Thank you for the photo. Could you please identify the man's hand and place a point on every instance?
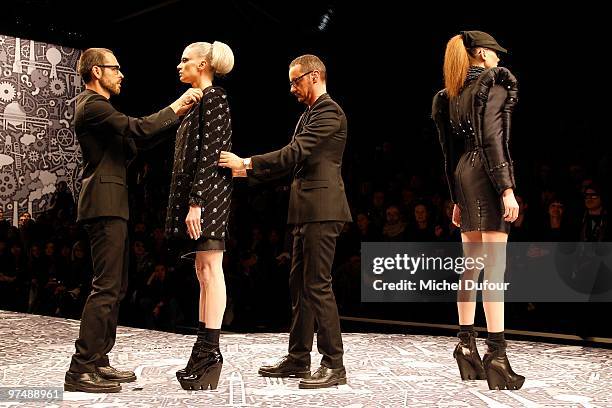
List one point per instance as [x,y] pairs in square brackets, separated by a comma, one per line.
[182,105]
[231,161]
[194,229]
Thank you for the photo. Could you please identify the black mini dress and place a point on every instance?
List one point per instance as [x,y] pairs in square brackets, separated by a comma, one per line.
[474,132]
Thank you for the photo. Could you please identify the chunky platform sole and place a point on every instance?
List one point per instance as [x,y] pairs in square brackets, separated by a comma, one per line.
[468,371]
[210,379]
[498,381]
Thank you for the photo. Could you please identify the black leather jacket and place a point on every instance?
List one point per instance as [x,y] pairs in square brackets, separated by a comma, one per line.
[481,115]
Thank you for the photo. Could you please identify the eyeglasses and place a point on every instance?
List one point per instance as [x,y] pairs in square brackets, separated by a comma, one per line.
[591,195]
[115,68]
[295,81]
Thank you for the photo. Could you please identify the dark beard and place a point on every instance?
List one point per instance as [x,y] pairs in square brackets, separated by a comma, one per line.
[107,86]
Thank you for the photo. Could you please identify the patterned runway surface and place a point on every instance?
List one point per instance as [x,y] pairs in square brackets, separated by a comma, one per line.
[384,370]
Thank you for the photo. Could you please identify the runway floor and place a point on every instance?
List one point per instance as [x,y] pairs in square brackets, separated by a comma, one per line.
[384,370]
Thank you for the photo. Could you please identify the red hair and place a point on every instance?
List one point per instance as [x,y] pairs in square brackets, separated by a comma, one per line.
[456,65]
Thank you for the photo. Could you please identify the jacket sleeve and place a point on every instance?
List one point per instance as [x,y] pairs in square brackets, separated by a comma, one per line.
[266,176]
[500,93]
[440,115]
[101,114]
[495,141]
[215,135]
[324,122]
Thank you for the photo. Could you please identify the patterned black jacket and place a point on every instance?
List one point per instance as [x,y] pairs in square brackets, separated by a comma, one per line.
[196,177]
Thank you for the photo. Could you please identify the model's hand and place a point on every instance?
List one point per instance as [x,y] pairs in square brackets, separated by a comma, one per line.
[456,216]
[511,207]
[193,223]
[231,161]
[186,101]
[239,173]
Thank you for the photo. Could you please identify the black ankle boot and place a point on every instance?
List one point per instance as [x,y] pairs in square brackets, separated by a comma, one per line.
[206,367]
[185,371]
[468,359]
[497,367]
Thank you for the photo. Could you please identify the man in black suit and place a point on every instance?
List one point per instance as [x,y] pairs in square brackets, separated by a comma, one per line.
[108,141]
[318,210]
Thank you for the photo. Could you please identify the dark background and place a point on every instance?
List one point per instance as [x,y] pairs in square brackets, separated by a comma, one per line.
[384,64]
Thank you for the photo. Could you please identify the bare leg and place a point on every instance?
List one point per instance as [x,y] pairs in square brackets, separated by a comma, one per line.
[204,367]
[202,306]
[497,367]
[466,300]
[466,352]
[209,267]
[495,268]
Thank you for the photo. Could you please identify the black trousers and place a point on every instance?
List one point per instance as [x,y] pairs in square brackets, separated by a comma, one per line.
[108,238]
[312,298]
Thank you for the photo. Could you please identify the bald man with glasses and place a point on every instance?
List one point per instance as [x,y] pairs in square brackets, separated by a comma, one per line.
[318,209]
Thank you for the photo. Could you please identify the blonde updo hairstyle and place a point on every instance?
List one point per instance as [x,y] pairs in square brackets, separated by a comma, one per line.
[219,55]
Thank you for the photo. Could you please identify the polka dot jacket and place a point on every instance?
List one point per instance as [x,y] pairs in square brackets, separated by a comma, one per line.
[196,178]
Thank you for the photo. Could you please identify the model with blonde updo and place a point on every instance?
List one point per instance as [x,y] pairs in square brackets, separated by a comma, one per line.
[199,202]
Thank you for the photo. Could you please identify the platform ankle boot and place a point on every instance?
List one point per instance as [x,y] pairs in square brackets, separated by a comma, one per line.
[500,375]
[468,360]
[185,371]
[206,365]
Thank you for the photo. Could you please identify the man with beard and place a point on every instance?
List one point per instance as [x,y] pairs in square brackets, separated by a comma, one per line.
[108,141]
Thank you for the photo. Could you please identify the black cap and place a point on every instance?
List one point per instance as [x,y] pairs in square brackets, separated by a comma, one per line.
[473,39]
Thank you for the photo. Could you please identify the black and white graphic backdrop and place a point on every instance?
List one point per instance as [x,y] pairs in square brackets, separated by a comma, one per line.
[38,148]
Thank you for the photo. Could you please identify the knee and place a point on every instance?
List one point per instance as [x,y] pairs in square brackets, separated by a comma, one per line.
[208,273]
[471,273]
[495,263]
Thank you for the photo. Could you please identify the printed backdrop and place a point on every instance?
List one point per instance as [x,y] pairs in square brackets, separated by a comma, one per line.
[38,149]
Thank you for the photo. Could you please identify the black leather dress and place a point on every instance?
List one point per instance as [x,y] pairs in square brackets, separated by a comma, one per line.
[474,132]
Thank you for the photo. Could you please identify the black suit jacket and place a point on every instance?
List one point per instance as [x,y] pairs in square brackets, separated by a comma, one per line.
[315,156]
[108,141]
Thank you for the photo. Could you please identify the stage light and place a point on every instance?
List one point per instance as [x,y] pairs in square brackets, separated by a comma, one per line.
[325,19]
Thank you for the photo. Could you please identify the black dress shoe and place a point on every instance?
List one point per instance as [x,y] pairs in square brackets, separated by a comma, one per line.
[500,375]
[286,367]
[205,370]
[325,377]
[89,382]
[112,374]
[468,359]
